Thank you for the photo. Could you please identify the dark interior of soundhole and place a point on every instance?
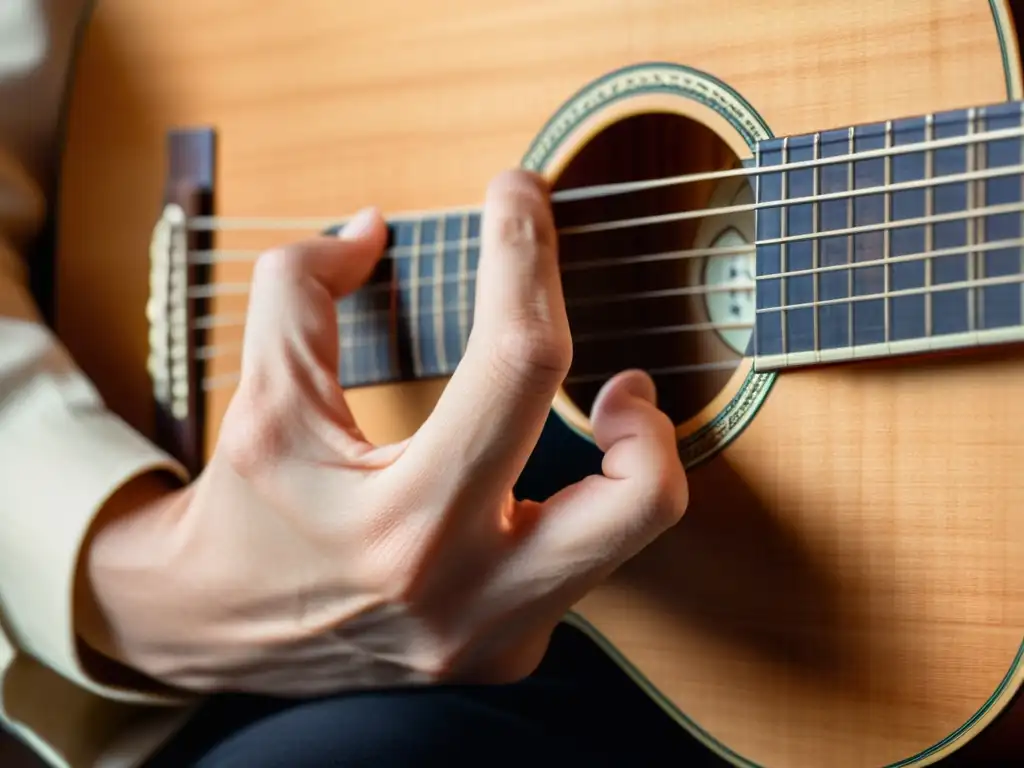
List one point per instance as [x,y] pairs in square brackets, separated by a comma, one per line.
[615,304]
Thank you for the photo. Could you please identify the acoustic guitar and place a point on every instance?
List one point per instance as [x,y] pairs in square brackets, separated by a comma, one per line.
[805,219]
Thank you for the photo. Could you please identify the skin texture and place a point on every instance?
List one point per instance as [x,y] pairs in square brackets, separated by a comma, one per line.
[305,560]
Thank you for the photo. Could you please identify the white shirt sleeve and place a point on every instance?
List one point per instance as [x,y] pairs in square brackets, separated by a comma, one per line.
[62,453]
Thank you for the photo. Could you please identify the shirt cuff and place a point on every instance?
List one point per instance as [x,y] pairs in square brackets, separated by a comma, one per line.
[60,461]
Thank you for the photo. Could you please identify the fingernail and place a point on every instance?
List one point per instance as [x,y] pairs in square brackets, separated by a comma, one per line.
[359,224]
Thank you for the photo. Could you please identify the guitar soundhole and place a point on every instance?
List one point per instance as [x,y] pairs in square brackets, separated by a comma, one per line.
[638,296]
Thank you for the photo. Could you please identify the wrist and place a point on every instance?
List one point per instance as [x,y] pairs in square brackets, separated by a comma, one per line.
[120,560]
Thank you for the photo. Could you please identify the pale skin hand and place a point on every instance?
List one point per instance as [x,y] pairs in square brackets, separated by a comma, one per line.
[305,560]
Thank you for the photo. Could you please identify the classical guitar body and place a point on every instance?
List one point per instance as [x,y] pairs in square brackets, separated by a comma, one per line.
[847,587]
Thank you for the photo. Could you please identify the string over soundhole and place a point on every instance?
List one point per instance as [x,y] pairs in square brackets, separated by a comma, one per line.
[654,279]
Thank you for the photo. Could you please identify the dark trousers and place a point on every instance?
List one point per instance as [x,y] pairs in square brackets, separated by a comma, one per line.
[577,709]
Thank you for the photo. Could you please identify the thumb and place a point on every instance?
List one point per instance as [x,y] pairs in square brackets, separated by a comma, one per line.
[587,530]
[630,429]
[643,489]
[576,538]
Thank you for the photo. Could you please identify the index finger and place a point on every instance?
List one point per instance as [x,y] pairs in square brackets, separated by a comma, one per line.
[490,415]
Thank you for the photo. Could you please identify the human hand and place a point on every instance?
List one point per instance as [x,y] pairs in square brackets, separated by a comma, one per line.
[305,560]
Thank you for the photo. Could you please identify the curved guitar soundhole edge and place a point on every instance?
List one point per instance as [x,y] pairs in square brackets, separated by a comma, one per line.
[701,98]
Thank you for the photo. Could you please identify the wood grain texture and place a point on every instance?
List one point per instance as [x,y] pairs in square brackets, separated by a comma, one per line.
[848,585]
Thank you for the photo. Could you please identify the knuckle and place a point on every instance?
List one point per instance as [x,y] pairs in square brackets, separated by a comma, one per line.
[670,495]
[532,355]
[665,481]
[664,431]
[520,205]
[274,266]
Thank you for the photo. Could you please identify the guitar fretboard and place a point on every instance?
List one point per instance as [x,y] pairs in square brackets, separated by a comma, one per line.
[934,261]
[412,320]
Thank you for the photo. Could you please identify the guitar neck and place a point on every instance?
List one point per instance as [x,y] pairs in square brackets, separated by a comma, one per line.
[913,244]
[877,240]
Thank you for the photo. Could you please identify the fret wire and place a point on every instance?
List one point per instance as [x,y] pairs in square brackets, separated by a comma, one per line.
[393,310]
[439,319]
[380,351]
[971,232]
[463,285]
[346,309]
[414,298]
[368,353]
[364,360]
[376,366]
[757,199]
[1020,146]
[849,238]
[358,354]
[886,233]
[358,364]
[981,160]
[929,228]
[783,219]
[816,243]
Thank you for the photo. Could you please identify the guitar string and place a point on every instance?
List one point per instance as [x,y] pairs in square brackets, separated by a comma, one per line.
[930,290]
[212,290]
[222,256]
[228,380]
[358,316]
[215,290]
[586,193]
[361,339]
[222,223]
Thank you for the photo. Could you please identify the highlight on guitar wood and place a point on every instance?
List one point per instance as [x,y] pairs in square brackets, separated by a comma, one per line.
[847,587]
